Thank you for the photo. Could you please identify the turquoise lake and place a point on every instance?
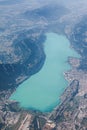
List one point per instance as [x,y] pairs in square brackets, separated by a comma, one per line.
[42,90]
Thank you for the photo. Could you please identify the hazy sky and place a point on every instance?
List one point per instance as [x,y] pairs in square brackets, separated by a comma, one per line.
[11,12]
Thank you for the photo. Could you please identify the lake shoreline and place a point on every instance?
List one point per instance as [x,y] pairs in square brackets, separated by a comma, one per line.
[60,72]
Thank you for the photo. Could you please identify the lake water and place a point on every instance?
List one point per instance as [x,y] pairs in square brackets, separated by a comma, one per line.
[42,91]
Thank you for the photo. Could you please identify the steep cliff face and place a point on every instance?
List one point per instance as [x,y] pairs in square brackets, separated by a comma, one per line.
[26,59]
